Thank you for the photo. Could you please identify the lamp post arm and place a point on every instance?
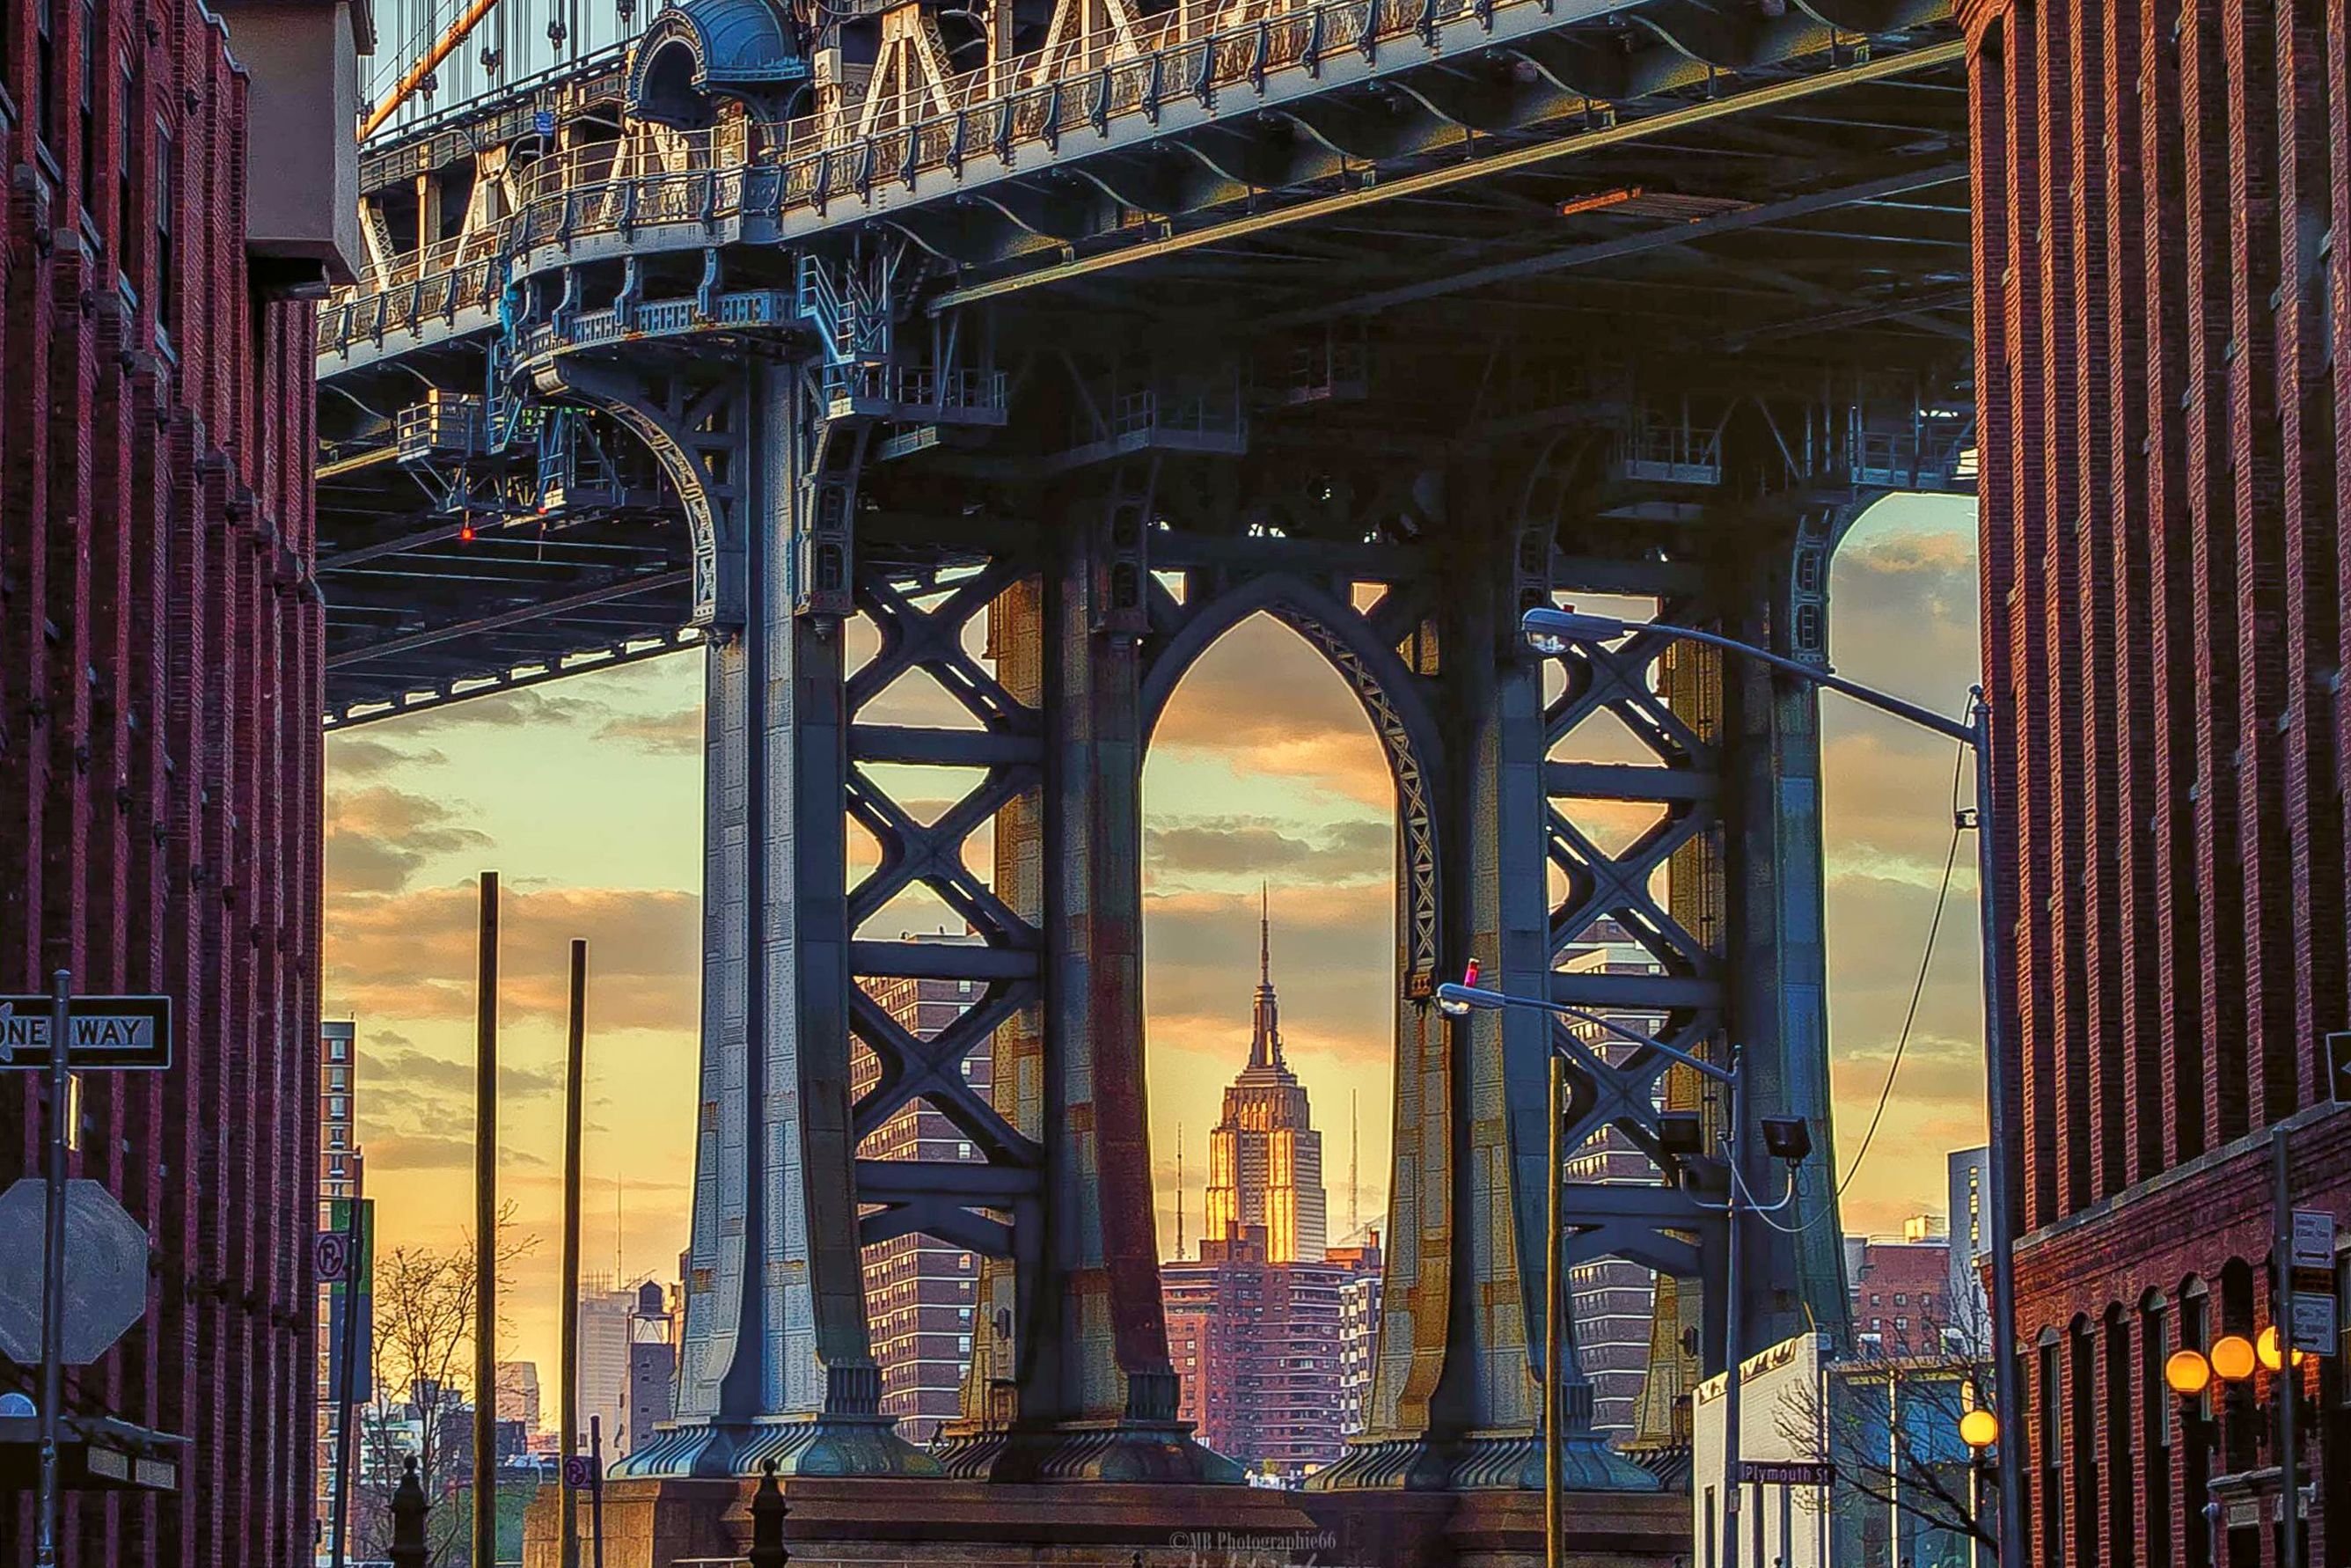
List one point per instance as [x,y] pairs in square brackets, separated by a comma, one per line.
[1480,998]
[1927,718]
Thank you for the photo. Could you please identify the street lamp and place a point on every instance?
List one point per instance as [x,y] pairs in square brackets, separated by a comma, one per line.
[1786,1137]
[2266,1351]
[1980,1430]
[1555,631]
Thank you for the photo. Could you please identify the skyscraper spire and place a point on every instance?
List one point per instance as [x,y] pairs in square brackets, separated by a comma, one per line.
[1265,934]
[1265,1036]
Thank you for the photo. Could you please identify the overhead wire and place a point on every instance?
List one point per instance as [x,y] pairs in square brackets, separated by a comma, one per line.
[1909,1018]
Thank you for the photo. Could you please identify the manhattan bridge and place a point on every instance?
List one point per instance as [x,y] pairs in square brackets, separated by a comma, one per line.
[1051,339]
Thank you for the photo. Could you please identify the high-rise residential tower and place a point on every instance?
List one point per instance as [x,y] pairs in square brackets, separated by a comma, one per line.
[920,1292]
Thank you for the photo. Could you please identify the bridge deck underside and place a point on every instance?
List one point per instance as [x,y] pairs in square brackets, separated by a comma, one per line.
[1451,303]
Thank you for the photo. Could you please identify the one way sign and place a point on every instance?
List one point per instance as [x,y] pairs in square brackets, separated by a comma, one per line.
[2338,1066]
[103,1033]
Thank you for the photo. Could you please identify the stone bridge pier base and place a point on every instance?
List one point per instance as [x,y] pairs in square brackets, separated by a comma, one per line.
[978,1524]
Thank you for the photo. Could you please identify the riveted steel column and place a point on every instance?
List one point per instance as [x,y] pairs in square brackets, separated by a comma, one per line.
[777,1366]
[1087,1392]
[1777,947]
[1456,1401]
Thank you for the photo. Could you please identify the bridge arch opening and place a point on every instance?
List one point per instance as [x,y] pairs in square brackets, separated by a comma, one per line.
[1272,973]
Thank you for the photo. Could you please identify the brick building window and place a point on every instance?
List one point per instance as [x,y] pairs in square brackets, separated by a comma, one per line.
[2052,1450]
[89,172]
[45,68]
[126,195]
[165,257]
[2154,1434]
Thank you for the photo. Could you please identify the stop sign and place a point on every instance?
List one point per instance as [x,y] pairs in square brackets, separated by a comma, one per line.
[105,1272]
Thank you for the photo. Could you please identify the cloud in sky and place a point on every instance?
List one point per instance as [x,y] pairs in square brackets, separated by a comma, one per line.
[411,955]
[1263,702]
[588,796]
[380,836]
[1179,849]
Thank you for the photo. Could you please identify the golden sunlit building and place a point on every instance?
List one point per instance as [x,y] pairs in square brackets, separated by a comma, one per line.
[1265,1158]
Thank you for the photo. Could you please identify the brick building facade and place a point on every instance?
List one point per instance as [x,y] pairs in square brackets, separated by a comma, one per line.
[160,695]
[2162,227]
[1260,1351]
[1901,1296]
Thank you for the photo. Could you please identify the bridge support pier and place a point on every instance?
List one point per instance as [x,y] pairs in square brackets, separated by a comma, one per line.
[776,1364]
[1081,1388]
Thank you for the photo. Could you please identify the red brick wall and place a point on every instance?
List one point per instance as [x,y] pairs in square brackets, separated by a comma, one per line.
[2162,336]
[159,744]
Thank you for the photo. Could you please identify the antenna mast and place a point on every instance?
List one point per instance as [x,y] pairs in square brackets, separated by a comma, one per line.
[1355,1152]
[1179,1192]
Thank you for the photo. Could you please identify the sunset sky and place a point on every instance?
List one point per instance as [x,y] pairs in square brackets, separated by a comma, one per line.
[585,795]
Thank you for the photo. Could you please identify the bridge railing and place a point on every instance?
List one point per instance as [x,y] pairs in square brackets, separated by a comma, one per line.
[738,169]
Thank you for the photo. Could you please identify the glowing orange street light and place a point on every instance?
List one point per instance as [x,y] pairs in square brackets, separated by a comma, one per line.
[2232,1358]
[2187,1373]
[1979,1429]
[2267,1348]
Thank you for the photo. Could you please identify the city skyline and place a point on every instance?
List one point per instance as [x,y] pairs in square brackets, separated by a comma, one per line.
[1263,768]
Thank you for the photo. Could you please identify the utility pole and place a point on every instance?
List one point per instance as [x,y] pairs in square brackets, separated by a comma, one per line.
[53,1268]
[485,1232]
[2289,1380]
[1554,1322]
[567,1401]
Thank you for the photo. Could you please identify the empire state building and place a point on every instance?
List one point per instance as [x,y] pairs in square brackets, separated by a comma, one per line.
[1265,1158]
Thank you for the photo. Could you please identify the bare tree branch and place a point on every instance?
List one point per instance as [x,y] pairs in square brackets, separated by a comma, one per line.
[1890,1456]
[424,1319]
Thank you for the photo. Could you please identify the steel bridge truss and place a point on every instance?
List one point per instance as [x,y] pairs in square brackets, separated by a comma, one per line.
[1384,321]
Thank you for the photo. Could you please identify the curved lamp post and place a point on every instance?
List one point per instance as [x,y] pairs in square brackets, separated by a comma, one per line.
[1555,631]
[1785,1137]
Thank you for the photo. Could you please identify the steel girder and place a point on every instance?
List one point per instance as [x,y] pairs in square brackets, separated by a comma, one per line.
[1182,145]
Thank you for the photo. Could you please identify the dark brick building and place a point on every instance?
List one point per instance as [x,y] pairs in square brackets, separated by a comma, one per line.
[160,670]
[1901,1305]
[2162,217]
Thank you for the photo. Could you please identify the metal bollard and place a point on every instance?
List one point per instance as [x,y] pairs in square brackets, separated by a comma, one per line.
[409,1549]
[768,1512]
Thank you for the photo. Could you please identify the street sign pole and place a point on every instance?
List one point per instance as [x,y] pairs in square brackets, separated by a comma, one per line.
[2289,1380]
[596,1487]
[53,1271]
[348,1335]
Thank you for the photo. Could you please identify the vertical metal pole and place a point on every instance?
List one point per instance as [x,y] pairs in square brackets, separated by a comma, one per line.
[53,1268]
[2289,1380]
[486,1233]
[1554,1328]
[347,1336]
[2009,1451]
[568,1402]
[1731,1328]
[596,1486]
